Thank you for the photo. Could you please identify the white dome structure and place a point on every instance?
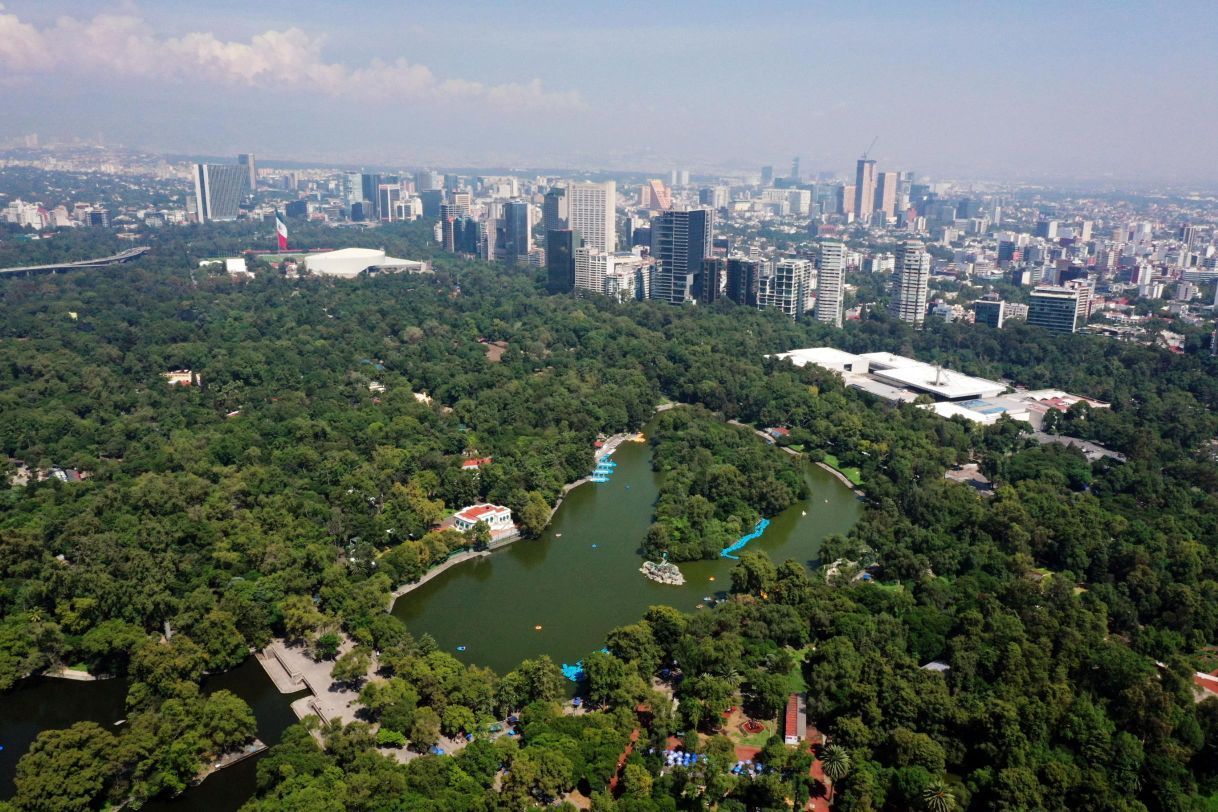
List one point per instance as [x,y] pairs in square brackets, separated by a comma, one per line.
[347,263]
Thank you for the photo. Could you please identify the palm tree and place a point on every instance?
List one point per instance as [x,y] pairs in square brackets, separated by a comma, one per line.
[938,798]
[836,763]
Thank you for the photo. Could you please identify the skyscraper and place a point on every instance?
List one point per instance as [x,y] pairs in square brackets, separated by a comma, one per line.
[591,210]
[561,245]
[712,284]
[795,168]
[218,190]
[655,195]
[886,193]
[767,175]
[680,240]
[864,188]
[786,286]
[912,278]
[388,196]
[830,282]
[742,280]
[369,185]
[246,159]
[517,228]
[554,209]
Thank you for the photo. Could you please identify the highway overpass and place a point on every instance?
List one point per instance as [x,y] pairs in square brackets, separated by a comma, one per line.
[125,256]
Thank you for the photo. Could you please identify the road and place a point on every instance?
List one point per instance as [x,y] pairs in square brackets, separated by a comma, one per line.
[125,256]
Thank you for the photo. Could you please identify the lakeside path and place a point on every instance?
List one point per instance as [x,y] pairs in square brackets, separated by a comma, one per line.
[453,561]
[842,478]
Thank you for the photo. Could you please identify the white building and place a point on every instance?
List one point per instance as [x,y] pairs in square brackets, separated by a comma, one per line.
[830,282]
[787,285]
[496,517]
[347,263]
[912,281]
[591,211]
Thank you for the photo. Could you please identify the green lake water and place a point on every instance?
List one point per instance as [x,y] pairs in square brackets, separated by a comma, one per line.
[581,578]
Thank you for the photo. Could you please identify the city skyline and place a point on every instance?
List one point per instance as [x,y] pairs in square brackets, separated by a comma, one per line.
[1079,92]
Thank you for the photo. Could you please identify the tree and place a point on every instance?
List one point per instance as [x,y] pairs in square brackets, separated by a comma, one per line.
[353,666]
[637,781]
[300,617]
[457,719]
[66,769]
[534,515]
[479,535]
[938,798]
[765,694]
[835,761]
[425,728]
[754,574]
[225,722]
[606,677]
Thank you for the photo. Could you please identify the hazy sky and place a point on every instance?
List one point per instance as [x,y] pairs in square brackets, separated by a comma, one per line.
[983,89]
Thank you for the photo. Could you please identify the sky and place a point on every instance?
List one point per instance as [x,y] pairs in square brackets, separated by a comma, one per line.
[982,90]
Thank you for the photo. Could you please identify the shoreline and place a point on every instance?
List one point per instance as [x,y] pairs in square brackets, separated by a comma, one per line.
[842,478]
[451,561]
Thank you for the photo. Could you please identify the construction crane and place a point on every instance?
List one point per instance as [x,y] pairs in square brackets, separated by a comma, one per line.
[867,151]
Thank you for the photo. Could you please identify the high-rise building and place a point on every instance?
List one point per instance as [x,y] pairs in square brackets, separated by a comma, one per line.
[218,189]
[1057,309]
[246,159]
[715,197]
[432,199]
[680,240]
[554,209]
[990,311]
[517,228]
[1047,229]
[767,175]
[886,193]
[864,188]
[912,279]
[742,280]
[786,285]
[846,195]
[428,181]
[464,201]
[370,184]
[561,245]
[388,195]
[795,168]
[591,210]
[655,195]
[713,282]
[448,218]
[830,282]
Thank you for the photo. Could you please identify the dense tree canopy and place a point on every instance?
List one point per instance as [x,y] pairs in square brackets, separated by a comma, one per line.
[284,495]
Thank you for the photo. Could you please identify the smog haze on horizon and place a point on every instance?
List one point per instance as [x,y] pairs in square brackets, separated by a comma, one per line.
[1028,91]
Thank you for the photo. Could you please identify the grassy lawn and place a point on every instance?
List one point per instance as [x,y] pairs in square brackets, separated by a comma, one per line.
[795,677]
[853,474]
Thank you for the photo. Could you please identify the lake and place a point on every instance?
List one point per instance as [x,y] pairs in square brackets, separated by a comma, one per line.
[581,578]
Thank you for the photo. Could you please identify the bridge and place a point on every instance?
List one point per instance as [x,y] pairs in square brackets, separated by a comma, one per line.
[125,256]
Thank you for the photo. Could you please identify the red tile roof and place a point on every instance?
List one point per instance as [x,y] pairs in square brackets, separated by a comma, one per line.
[791,727]
[478,512]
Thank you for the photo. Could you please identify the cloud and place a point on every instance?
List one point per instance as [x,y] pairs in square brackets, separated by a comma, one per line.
[124,45]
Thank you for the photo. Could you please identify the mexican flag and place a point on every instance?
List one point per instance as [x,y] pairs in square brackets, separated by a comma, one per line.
[281,231]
